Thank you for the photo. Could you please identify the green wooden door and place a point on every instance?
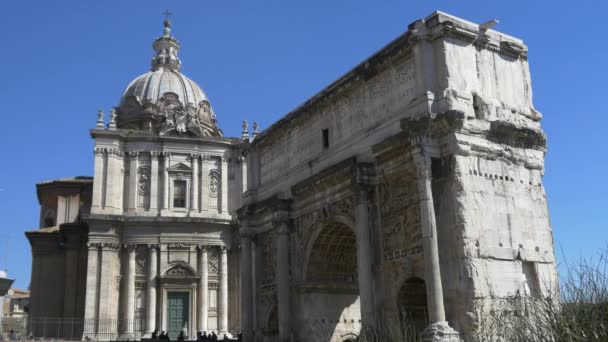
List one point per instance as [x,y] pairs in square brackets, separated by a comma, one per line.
[177,312]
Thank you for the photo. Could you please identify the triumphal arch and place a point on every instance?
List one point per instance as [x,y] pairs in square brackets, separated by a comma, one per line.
[406,194]
[409,190]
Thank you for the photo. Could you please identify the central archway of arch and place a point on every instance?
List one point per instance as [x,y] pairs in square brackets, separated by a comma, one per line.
[331,299]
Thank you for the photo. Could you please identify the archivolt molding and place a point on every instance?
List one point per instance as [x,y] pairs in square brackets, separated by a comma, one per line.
[309,226]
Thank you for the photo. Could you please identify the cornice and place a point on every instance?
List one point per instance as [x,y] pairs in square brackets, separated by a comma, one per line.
[127,135]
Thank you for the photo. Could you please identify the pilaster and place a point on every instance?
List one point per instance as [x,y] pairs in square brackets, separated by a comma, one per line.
[154,156]
[194,193]
[224,186]
[205,183]
[98,179]
[133,164]
[166,164]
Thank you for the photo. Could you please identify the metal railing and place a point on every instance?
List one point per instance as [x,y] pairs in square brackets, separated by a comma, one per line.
[36,328]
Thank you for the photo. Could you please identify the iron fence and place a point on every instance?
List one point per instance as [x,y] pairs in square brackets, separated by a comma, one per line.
[36,328]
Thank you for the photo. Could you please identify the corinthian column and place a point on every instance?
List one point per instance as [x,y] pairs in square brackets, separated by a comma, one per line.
[152,273]
[223,300]
[90,305]
[203,289]
[364,248]
[130,297]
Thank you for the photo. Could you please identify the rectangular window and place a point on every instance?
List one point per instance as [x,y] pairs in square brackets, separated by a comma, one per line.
[326,138]
[179,194]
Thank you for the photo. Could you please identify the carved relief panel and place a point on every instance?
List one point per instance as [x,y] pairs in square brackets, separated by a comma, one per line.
[213,257]
[267,252]
[141,260]
[400,211]
[215,182]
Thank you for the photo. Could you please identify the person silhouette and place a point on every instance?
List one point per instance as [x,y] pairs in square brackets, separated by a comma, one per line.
[181,336]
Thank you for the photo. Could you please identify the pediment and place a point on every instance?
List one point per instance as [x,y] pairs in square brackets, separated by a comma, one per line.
[179,167]
[179,270]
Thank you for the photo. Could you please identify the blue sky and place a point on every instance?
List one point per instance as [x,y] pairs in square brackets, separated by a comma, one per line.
[257,60]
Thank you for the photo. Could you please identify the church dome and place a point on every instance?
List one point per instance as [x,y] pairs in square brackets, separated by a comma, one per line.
[151,86]
[163,99]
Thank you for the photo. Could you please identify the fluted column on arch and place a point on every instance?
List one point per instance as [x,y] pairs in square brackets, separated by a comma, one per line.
[364,249]
[246,278]
[438,329]
[282,226]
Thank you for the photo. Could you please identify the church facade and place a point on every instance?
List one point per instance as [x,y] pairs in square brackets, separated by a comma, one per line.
[409,191]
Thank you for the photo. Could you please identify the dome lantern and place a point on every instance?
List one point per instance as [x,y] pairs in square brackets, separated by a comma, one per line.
[164,100]
[166,48]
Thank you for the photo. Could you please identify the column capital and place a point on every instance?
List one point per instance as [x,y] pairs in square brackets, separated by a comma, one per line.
[133,154]
[166,154]
[129,246]
[99,151]
[115,152]
[154,154]
[194,156]
[93,245]
[203,247]
[224,249]
[363,182]
[153,247]
[110,246]
[247,234]
[281,222]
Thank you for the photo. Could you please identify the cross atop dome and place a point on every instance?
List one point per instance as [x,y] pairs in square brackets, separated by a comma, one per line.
[167,23]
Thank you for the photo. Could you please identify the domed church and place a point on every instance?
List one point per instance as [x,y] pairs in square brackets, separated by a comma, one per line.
[403,198]
[161,223]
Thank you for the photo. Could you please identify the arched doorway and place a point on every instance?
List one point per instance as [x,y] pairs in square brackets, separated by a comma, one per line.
[332,293]
[412,305]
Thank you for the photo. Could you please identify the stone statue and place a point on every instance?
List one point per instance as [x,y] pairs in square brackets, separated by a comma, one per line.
[100,115]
